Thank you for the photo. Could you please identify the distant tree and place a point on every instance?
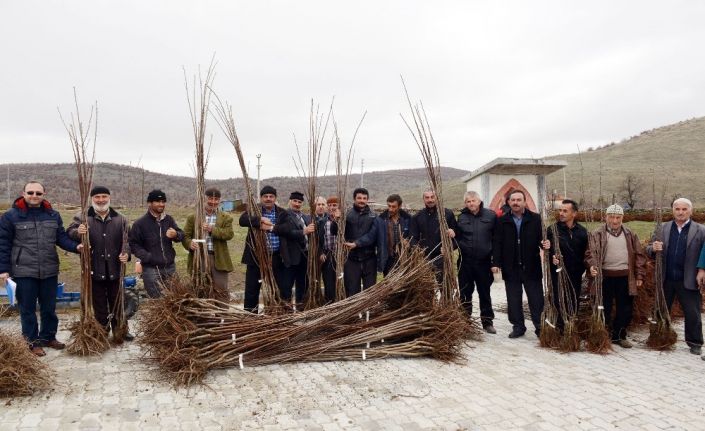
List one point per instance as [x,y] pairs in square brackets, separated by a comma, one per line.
[631,190]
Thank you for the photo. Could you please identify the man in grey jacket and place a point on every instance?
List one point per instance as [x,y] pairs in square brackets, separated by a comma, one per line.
[680,242]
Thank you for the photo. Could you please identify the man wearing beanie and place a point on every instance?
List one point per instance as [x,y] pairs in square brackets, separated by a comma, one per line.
[295,226]
[29,234]
[106,230]
[217,229]
[151,241]
[623,269]
[272,215]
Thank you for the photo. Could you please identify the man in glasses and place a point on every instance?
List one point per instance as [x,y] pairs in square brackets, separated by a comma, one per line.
[29,234]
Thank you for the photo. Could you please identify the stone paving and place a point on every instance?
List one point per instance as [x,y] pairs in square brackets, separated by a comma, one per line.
[504,384]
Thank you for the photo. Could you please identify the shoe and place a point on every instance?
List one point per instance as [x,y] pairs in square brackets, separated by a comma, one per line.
[55,344]
[516,334]
[128,337]
[537,331]
[38,351]
[490,329]
[696,350]
[625,344]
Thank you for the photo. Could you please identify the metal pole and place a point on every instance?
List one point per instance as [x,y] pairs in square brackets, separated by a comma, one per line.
[362,172]
[259,165]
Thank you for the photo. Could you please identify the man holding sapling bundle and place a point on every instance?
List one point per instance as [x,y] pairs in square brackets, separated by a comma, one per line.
[360,271]
[327,216]
[106,229]
[272,215]
[29,234]
[217,229]
[680,242]
[424,230]
[151,241]
[516,250]
[623,270]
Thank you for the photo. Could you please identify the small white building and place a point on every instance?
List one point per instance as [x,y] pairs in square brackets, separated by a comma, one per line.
[495,179]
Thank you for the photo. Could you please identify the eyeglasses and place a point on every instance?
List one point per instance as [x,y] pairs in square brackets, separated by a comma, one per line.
[33,193]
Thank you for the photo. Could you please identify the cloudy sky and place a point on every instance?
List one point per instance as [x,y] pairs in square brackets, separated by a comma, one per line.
[498,79]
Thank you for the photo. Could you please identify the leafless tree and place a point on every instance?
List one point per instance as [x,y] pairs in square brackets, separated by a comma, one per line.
[631,190]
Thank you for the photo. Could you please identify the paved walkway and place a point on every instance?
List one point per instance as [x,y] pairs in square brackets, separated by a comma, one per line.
[505,384]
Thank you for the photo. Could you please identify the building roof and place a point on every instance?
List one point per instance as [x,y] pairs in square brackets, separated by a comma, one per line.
[509,166]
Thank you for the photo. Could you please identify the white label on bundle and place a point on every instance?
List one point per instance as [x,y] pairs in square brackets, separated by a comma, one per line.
[367,318]
[222,321]
[559,269]
[360,315]
[549,323]
[364,355]
[201,241]
[340,277]
[600,307]
[259,281]
[233,338]
[241,364]
[368,344]
[382,340]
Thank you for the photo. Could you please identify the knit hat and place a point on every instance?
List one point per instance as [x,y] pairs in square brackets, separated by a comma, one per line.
[156,195]
[614,209]
[268,190]
[99,190]
[333,200]
[296,195]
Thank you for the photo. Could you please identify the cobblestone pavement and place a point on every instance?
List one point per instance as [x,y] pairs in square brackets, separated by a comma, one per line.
[505,384]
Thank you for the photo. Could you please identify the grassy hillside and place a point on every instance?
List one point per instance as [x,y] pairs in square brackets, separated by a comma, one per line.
[674,155]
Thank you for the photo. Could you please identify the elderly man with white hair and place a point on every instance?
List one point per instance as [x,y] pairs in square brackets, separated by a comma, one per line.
[680,242]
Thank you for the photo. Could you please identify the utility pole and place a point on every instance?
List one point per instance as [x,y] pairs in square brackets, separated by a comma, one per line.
[259,165]
[9,197]
[362,172]
[565,186]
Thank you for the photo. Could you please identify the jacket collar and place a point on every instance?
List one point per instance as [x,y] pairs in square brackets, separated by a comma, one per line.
[402,214]
[479,212]
[21,205]
[111,213]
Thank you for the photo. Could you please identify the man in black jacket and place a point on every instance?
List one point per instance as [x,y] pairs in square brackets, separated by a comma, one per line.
[327,215]
[516,250]
[151,240]
[573,242]
[474,235]
[106,230]
[293,231]
[360,237]
[392,226]
[270,223]
[425,231]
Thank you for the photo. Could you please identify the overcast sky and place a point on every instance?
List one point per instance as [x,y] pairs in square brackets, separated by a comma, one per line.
[497,79]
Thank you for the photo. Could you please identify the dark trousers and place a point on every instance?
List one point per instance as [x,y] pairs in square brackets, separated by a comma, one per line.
[617,289]
[253,283]
[29,291]
[359,275]
[155,277]
[690,301]
[391,262]
[329,277]
[515,303]
[105,294]
[472,273]
[295,275]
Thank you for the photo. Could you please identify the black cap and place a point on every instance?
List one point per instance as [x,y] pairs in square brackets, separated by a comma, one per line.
[268,190]
[156,195]
[99,190]
[297,195]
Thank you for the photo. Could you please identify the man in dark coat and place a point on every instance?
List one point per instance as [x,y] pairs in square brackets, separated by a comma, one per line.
[270,223]
[151,240]
[424,230]
[392,226]
[360,237]
[517,251]
[327,216]
[573,242]
[29,234]
[474,233]
[106,232]
[293,232]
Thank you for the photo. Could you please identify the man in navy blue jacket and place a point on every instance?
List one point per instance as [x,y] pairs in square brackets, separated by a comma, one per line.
[29,234]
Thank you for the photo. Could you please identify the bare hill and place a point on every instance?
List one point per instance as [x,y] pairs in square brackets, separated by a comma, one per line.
[674,155]
[129,185]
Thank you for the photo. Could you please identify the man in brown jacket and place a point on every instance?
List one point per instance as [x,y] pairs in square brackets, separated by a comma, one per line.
[623,269]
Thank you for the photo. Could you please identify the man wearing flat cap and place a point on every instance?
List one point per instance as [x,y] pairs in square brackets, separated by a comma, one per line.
[623,266]
[106,230]
[270,223]
[327,231]
[151,241]
[295,227]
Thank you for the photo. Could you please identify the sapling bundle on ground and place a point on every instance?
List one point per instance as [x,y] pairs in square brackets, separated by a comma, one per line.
[22,373]
[569,337]
[309,172]
[598,338]
[662,336]
[258,240]
[88,337]
[397,317]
